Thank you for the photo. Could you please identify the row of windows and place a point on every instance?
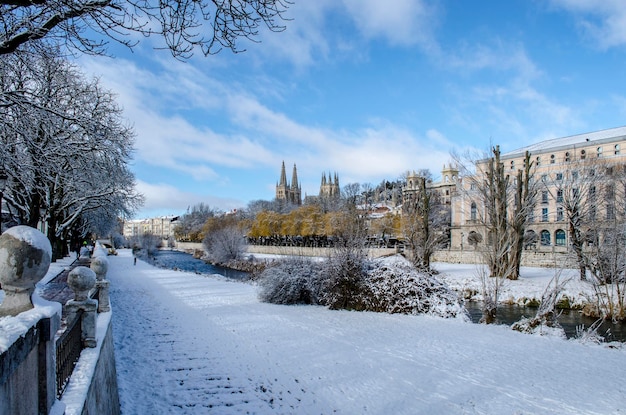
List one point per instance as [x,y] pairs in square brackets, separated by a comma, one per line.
[545,213]
[569,155]
[545,238]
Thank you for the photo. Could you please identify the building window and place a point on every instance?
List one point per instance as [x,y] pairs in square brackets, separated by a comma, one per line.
[559,213]
[583,154]
[473,186]
[544,196]
[559,176]
[544,177]
[512,165]
[473,211]
[531,216]
[616,149]
[545,238]
[538,161]
[567,157]
[610,192]
[559,237]
[551,158]
[574,175]
[544,214]
[559,196]
[599,151]
[610,212]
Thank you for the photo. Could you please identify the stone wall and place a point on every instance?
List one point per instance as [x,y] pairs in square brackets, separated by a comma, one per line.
[548,257]
[27,371]
[530,258]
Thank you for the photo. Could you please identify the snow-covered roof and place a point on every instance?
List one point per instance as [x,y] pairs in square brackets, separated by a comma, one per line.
[611,134]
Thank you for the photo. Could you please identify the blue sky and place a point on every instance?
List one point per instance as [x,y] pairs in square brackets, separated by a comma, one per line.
[367,89]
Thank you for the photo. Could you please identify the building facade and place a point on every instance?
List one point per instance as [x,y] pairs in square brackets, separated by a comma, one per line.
[560,168]
[162,226]
[446,187]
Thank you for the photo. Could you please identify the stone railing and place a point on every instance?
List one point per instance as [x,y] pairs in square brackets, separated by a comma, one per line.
[30,339]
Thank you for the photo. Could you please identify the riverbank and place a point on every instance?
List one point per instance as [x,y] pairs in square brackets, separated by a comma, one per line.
[186,342]
[464,278]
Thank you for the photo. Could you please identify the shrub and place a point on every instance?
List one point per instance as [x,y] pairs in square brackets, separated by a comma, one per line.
[400,288]
[292,281]
[345,286]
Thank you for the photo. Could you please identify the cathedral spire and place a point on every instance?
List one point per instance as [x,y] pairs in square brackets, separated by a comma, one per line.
[294,178]
[283,176]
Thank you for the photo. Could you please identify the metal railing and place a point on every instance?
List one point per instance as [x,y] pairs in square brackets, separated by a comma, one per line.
[68,345]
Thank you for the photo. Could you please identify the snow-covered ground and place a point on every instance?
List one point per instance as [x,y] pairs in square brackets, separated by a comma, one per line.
[187,343]
[531,284]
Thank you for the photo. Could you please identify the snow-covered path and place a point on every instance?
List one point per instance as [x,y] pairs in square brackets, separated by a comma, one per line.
[192,344]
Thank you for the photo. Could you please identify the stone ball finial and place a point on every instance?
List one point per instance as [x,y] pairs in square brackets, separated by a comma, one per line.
[25,255]
[81,280]
[100,266]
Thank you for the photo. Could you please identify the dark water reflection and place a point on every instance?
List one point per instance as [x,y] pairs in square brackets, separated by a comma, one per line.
[568,319]
[186,262]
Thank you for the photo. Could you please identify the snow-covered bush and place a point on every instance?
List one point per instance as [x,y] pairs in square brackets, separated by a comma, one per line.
[545,322]
[396,287]
[345,286]
[293,281]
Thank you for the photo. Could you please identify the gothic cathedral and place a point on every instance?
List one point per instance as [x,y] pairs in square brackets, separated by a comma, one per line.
[290,192]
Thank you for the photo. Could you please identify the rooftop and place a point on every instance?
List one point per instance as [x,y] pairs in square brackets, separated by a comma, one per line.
[597,136]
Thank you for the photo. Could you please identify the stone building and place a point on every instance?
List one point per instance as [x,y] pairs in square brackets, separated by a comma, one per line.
[558,165]
[330,188]
[445,187]
[289,192]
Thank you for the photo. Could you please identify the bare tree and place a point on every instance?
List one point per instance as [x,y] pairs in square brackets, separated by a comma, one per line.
[507,204]
[190,224]
[184,26]
[523,205]
[224,238]
[425,223]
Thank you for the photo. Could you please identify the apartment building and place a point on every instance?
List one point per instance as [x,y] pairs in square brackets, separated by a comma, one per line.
[162,226]
[559,165]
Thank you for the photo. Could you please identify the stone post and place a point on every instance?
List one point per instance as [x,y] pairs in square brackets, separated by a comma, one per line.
[81,280]
[100,266]
[25,255]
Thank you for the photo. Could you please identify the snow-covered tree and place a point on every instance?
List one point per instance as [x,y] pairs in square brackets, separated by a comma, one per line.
[67,148]
[183,26]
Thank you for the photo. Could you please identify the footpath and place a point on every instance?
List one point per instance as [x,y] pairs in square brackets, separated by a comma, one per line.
[194,344]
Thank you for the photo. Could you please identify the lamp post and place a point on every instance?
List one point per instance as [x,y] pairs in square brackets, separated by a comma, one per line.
[3,183]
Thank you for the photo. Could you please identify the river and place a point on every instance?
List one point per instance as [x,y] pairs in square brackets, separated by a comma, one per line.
[507,314]
[186,262]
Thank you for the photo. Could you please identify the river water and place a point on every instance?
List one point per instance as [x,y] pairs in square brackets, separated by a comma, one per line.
[186,262]
[507,314]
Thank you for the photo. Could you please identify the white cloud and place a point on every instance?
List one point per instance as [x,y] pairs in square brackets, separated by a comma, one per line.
[499,56]
[400,22]
[602,20]
[165,199]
